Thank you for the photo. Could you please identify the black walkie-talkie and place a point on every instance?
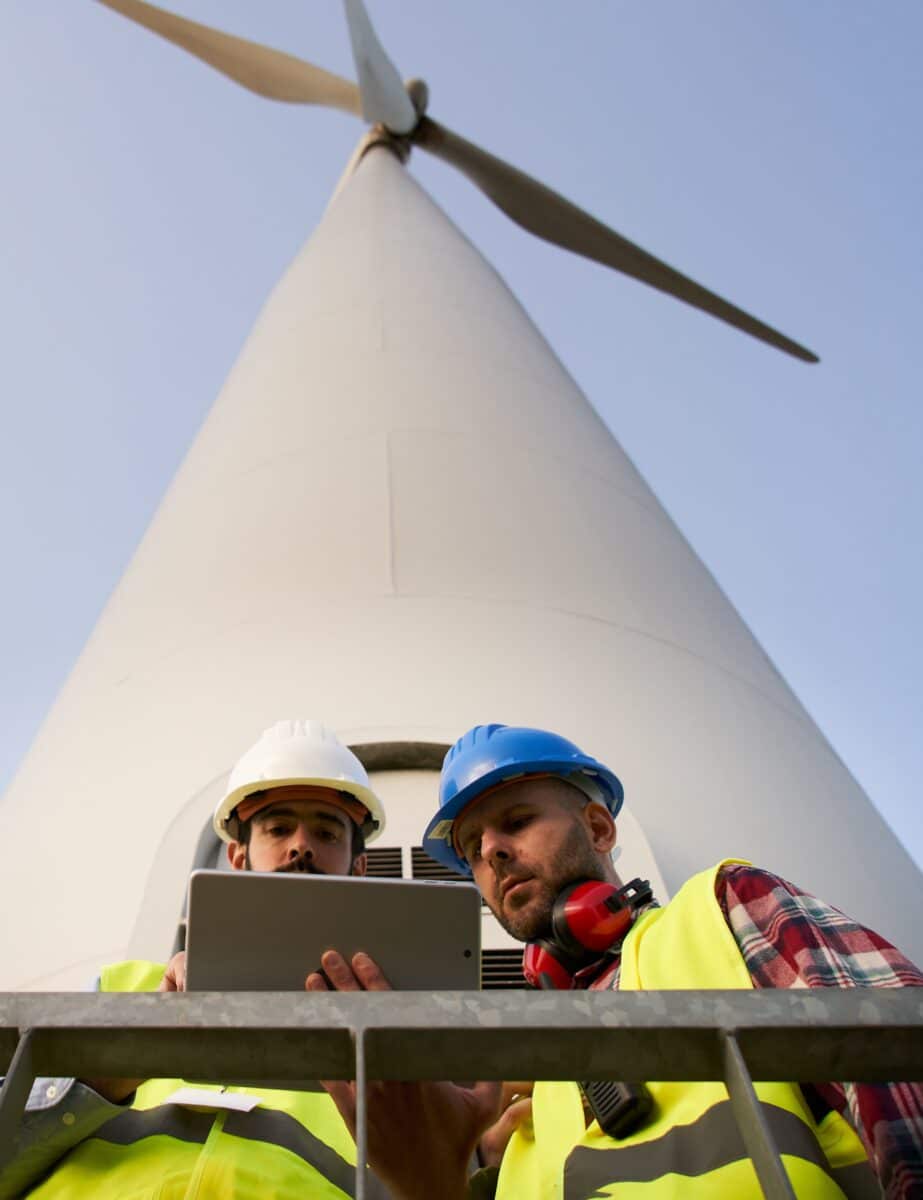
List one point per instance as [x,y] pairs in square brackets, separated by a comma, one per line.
[620,1108]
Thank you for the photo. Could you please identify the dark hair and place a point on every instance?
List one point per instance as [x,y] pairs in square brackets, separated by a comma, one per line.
[240,832]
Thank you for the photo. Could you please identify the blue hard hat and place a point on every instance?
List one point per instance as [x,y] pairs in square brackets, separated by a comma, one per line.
[488,755]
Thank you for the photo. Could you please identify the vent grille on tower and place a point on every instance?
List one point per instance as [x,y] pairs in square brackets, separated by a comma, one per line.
[384,862]
[502,969]
[424,867]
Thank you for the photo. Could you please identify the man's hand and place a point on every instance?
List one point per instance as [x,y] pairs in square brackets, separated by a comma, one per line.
[174,977]
[421,1134]
[363,974]
[515,1110]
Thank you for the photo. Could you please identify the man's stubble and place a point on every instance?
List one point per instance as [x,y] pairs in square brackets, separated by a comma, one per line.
[576,860]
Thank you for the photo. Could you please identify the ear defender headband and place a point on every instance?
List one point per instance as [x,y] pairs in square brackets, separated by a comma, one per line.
[588,922]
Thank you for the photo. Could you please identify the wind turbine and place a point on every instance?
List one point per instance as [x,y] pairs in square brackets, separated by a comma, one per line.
[441,583]
[398,117]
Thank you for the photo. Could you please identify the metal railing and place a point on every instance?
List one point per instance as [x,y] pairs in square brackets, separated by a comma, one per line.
[865,1035]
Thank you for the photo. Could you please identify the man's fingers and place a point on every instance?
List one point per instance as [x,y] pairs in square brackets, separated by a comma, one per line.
[369,974]
[315,982]
[360,974]
[339,972]
[343,1095]
[513,1090]
[494,1140]
[518,1112]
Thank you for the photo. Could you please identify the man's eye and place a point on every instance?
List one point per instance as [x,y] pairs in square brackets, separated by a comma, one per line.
[328,835]
[277,830]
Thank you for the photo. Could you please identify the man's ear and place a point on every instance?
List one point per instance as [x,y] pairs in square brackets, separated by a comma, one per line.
[601,826]
[360,864]
[237,856]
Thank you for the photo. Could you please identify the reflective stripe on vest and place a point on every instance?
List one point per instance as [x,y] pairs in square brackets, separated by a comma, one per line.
[712,1142]
[267,1126]
[691,1146]
[171,1120]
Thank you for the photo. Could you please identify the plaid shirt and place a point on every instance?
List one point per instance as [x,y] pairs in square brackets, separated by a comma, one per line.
[789,939]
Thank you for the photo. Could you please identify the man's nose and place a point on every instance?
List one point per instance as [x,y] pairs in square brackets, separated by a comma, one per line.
[495,847]
[299,844]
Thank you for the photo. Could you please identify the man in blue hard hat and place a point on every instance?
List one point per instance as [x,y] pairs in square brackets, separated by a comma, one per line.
[560,802]
[532,818]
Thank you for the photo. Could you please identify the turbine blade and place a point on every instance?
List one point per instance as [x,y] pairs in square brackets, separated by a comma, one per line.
[384,98]
[267,72]
[548,215]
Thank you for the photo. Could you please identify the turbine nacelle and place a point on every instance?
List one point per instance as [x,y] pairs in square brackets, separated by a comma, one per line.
[397,114]
[418,91]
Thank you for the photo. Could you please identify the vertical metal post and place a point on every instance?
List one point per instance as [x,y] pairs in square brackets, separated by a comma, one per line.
[752,1124]
[15,1092]
[362,1125]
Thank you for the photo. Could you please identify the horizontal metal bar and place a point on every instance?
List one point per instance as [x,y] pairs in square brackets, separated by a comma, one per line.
[802,1035]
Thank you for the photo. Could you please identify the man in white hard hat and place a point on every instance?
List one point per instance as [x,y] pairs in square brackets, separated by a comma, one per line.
[298,801]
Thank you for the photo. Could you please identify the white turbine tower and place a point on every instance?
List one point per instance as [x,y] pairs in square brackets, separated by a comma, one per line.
[402,516]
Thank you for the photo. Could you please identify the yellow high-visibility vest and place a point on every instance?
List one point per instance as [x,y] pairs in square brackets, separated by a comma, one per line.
[690,1148]
[293,1145]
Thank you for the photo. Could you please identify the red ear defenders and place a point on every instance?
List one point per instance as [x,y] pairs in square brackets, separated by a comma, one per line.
[588,922]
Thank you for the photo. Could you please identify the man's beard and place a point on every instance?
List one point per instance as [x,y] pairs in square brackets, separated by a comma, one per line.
[575,861]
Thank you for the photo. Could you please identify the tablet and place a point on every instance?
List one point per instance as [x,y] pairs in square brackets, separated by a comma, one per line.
[250,931]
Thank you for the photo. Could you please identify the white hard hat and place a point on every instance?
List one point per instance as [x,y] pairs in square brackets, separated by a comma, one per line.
[294,752]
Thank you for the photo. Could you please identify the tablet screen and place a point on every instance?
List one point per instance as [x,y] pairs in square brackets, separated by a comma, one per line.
[266,932]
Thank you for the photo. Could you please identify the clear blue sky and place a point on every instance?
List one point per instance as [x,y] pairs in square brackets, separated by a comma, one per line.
[770,151]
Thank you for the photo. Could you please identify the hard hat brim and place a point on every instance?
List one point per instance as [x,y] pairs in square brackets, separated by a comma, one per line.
[372,828]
